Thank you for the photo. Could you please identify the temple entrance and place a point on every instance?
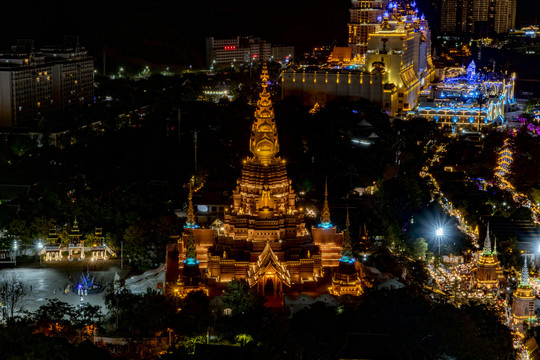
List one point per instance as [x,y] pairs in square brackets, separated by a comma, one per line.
[270,284]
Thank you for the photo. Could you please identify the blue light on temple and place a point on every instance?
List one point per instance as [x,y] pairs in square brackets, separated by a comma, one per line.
[347,259]
[191,261]
[191,226]
[386,14]
[325,225]
[413,4]
[471,119]
[379,18]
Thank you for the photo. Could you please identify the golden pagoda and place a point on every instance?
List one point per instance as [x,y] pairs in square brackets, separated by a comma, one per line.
[203,238]
[487,271]
[190,278]
[326,237]
[346,279]
[523,301]
[264,239]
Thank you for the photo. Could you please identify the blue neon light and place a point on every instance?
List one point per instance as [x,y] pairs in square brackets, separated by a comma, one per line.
[347,259]
[325,225]
[191,261]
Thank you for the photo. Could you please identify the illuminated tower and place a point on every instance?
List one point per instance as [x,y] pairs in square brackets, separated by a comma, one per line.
[203,238]
[523,300]
[190,218]
[264,237]
[346,279]
[326,237]
[363,20]
[325,214]
[190,277]
[488,271]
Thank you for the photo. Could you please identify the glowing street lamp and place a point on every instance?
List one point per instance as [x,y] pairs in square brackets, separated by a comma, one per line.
[39,246]
[439,233]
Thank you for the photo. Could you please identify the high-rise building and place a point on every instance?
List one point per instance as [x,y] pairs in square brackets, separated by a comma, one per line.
[33,82]
[364,14]
[479,17]
[244,50]
[397,67]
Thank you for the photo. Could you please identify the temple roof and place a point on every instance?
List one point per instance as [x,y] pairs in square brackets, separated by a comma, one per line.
[268,260]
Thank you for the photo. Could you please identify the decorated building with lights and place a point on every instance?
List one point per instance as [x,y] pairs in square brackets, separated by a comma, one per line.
[346,278]
[263,239]
[397,66]
[364,15]
[465,98]
[523,301]
[487,272]
[326,236]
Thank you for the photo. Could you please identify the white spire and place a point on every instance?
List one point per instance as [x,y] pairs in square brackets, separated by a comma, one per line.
[487,243]
[524,274]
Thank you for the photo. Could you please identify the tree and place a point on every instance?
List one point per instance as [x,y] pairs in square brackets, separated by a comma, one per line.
[41,226]
[12,292]
[240,298]
[21,230]
[420,247]
[134,244]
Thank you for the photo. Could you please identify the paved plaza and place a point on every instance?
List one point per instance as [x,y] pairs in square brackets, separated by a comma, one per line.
[49,280]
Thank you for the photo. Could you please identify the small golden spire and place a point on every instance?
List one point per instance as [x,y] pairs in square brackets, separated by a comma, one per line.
[190,221]
[325,214]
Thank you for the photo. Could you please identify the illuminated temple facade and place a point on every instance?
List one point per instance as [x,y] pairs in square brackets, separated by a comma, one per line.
[397,66]
[488,272]
[346,279]
[465,98]
[264,239]
[523,301]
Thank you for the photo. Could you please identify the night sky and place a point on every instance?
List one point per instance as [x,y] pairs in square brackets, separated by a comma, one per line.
[170,32]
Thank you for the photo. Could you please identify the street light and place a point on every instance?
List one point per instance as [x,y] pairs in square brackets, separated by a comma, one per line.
[439,233]
[39,246]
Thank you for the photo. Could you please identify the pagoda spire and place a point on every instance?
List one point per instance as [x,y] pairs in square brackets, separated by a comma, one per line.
[190,219]
[494,246]
[346,252]
[487,243]
[190,247]
[524,274]
[325,214]
[264,138]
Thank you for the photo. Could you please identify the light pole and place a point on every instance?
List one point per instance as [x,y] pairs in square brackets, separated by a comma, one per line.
[439,233]
[39,246]
[15,247]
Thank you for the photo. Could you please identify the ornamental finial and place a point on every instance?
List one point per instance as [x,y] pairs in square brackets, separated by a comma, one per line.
[325,214]
[487,243]
[190,220]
